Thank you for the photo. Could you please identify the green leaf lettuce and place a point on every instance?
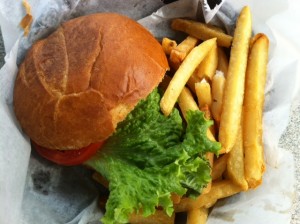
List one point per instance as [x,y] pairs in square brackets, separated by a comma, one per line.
[151,156]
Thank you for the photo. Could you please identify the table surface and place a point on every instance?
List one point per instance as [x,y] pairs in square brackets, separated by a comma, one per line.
[290,140]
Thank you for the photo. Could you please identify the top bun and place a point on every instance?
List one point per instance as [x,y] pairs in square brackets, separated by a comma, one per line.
[75,86]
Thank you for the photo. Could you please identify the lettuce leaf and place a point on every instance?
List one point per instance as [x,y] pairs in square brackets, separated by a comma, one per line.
[151,156]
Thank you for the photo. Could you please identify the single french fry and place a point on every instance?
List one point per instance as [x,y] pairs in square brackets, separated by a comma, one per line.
[186,101]
[178,54]
[203,92]
[235,163]
[253,109]
[219,167]
[234,86]
[197,216]
[208,66]
[168,45]
[222,61]
[217,90]
[26,22]
[159,217]
[183,74]
[219,189]
[201,31]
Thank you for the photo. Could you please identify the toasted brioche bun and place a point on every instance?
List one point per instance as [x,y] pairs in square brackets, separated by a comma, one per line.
[75,86]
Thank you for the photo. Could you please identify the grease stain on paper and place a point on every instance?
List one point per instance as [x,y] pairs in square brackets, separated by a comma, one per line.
[226,216]
[41,181]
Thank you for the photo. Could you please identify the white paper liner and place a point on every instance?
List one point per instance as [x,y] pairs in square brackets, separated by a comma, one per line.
[53,201]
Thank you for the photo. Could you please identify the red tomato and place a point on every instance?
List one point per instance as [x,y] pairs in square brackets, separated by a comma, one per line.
[68,157]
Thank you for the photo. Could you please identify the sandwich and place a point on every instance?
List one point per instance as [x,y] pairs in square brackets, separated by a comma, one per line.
[89,94]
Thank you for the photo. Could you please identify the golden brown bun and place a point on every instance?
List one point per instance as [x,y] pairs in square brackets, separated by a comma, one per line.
[75,86]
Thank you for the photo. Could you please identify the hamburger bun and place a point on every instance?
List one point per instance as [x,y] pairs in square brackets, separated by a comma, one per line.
[76,85]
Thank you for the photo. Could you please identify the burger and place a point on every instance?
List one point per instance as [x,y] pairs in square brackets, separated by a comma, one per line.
[89,94]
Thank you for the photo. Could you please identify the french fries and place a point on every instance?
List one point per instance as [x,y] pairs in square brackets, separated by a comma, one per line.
[26,22]
[235,163]
[219,189]
[178,54]
[159,217]
[186,101]
[168,45]
[182,75]
[197,216]
[192,81]
[232,94]
[202,31]
[235,79]
[203,92]
[217,88]
[253,109]
[208,66]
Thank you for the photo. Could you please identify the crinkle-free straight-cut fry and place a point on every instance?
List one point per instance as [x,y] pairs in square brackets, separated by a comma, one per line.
[203,92]
[168,45]
[159,217]
[178,54]
[235,162]
[234,86]
[186,101]
[253,110]
[182,75]
[208,66]
[197,216]
[202,31]
[217,90]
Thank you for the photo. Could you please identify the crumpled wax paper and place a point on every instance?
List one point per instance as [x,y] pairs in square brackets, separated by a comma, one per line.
[36,191]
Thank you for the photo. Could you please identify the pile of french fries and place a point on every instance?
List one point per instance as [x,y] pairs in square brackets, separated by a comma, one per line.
[224,77]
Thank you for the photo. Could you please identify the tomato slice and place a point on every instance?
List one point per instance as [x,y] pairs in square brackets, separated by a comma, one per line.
[68,157]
